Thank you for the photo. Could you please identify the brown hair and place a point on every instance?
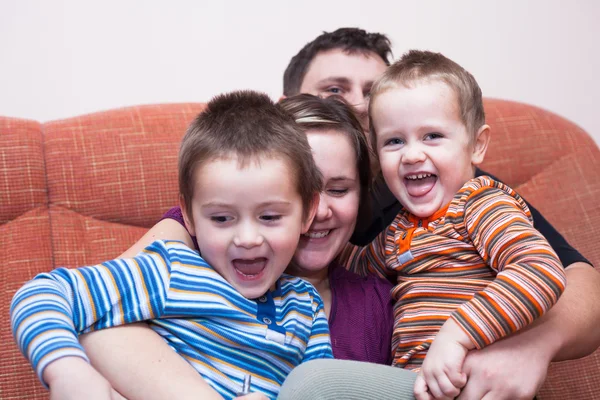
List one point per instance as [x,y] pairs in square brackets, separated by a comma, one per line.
[417,65]
[350,40]
[246,124]
[315,113]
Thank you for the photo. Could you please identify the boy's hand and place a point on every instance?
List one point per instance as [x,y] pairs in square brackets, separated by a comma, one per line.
[441,376]
[74,378]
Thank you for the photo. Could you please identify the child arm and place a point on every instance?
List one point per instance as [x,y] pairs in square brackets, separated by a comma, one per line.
[530,280]
[530,277]
[49,312]
[319,342]
[366,260]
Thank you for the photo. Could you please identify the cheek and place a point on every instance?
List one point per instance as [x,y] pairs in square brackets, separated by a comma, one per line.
[345,209]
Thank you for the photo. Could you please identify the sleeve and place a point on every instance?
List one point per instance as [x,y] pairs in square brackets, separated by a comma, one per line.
[367,260]
[50,311]
[176,215]
[566,253]
[319,342]
[530,277]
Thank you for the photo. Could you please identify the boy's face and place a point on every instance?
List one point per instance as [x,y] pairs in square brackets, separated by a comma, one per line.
[247,220]
[348,75]
[424,148]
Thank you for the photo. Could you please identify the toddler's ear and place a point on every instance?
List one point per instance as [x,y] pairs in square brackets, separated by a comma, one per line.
[312,211]
[482,139]
[188,220]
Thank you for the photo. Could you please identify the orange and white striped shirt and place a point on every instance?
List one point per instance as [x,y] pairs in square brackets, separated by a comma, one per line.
[478,260]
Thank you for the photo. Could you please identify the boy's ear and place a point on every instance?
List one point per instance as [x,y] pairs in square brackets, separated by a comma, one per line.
[482,139]
[312,211]
[186,218]
[283,96]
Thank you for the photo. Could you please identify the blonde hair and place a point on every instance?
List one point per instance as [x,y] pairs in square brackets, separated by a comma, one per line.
[417,65]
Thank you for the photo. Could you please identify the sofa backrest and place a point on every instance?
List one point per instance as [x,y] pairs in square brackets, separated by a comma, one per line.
[81,190]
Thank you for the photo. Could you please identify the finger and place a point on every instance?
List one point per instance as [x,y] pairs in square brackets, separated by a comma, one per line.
[457,378]
[446,386]
[420,389]
[434,388]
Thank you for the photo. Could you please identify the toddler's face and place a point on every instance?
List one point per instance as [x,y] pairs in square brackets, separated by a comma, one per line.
[424,148]
[247,220]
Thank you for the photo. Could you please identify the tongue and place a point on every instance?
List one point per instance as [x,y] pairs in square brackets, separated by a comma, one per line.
[419,187]
[250,267]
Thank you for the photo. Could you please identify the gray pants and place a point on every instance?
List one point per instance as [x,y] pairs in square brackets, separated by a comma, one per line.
[342,379]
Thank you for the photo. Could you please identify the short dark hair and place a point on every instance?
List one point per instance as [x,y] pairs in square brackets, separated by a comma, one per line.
[247,124]
[334,113]
[350,40]
[420,65]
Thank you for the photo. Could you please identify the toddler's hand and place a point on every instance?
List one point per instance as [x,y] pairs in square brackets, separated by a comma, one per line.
[441,376]
[73,378]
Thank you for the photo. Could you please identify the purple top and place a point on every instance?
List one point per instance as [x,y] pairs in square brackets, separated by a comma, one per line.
[361,317]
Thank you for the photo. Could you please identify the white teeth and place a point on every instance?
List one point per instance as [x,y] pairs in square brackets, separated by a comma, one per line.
[317,235]
[418,176]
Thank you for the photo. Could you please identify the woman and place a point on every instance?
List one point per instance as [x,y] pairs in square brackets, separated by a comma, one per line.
[359,308]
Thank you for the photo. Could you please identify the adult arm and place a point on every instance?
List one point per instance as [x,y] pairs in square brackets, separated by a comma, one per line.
[143,366]
[516,367]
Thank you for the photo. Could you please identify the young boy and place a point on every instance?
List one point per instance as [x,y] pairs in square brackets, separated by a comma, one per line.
[469,266]
[248,183]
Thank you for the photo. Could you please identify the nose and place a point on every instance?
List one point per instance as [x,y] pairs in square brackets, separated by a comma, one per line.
[248,235]
[412,154]
[323,211]
[358,100]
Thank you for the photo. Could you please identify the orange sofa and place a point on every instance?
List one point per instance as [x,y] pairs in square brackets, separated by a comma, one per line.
[81,190]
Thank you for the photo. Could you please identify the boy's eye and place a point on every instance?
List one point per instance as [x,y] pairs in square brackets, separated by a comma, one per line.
[393,142]
[270,218]
[220,219]
[433,135]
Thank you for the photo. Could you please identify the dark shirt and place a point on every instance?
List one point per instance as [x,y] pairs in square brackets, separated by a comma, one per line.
[385,208]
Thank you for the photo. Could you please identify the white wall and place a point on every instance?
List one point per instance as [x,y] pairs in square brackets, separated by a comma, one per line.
[63,58]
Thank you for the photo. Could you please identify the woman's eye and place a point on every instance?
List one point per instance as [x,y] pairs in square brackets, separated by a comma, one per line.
[337,192]
[221,218]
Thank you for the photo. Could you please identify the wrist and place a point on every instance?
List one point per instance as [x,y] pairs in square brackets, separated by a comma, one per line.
[453,330]
[62,367]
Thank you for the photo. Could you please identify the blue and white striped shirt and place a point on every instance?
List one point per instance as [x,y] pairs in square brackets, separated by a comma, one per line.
[222,334]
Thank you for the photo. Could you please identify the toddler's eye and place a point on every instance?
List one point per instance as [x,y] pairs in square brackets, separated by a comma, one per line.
[433,135]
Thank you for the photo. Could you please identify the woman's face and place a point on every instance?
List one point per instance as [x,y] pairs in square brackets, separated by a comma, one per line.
[338,205]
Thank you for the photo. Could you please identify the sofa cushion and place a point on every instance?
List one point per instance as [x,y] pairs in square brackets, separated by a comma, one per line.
[117,166]
[22,174]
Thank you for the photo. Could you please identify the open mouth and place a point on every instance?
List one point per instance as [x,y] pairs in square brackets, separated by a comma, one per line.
[316,234]
[418,185]
[249,268]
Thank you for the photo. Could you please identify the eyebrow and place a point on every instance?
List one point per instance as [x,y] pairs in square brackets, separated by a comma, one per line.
[341,178]
[229,205]
[335,79]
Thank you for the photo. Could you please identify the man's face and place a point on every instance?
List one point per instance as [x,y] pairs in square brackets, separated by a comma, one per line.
[348,75]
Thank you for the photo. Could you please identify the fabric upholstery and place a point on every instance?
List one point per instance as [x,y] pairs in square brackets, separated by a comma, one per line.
[81,190]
